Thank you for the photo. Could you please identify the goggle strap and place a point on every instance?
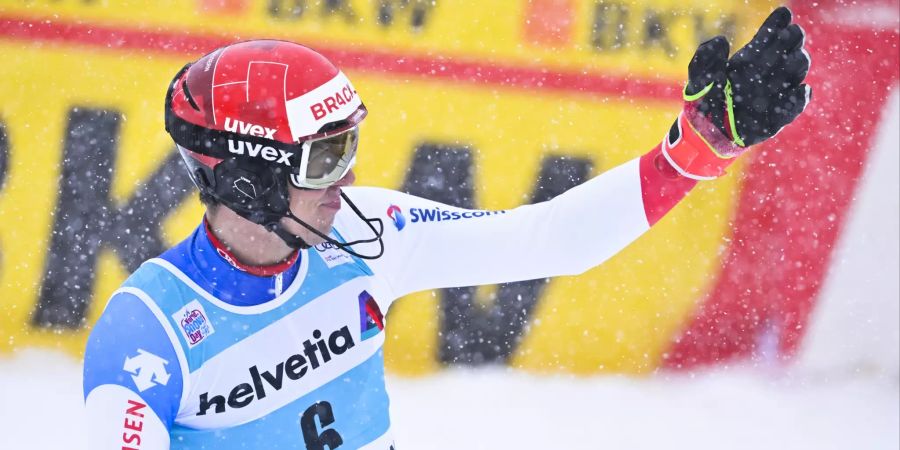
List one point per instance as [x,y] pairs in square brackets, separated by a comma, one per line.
[304,163]
[290,239]
[297,242]
[369,222]
[210,142]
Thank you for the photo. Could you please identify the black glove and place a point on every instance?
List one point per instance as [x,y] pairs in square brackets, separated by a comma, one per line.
[760,90]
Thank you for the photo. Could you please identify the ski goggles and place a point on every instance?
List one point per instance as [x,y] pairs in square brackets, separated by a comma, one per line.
[325,161]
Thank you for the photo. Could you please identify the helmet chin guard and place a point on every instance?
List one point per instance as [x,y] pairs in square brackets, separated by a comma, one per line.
[251,116]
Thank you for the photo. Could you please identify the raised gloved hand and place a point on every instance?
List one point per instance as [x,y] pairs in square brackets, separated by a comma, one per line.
[731,104]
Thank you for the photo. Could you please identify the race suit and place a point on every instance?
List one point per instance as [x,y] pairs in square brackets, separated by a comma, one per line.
[194,353]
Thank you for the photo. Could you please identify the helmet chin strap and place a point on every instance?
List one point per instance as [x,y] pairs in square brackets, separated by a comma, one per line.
[297,242]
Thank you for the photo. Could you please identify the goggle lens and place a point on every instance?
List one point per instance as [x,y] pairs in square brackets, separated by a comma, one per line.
[326,160]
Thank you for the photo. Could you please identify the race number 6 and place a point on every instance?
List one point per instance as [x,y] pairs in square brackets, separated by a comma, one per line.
[328,437]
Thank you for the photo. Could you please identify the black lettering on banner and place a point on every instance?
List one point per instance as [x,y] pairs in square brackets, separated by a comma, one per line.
[295,9]
[611,29]
[341,8]
[388,13]
[656,31]
[4,153]
[286,9]
[86,220]
[610,26]
[311,436]
[443,173]
[58,3]
[470,334]
[516,301]
[4,158]
[418,10]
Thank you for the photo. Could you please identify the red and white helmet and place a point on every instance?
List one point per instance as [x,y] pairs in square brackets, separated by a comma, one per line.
[264,103]
[253,116]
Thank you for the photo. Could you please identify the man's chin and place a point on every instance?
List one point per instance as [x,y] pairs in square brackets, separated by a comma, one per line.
[309,237]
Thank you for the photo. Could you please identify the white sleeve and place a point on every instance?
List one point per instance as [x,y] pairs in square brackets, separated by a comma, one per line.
[120,419]
[429,245]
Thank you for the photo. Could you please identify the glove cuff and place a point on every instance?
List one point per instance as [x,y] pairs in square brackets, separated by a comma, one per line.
[696,148]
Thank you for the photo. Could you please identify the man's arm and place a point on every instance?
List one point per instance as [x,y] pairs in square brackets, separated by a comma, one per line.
[443,246]
[729,104]
[132,378]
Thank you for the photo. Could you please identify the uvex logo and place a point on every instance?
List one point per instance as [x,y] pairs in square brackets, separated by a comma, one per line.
[258,150]
[315,354]
[335,101]
[236,126]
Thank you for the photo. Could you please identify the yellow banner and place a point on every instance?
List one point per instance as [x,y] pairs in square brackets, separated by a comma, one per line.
[635,37]
[618,317]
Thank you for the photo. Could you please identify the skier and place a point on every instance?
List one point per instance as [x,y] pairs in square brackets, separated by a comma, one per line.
[264,328]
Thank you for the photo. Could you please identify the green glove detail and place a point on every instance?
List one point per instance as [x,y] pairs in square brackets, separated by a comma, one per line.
[758,91]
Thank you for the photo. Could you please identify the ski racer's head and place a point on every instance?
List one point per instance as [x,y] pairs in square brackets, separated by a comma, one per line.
[269,130]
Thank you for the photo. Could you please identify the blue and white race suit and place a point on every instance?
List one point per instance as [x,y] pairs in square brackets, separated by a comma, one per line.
[193,353]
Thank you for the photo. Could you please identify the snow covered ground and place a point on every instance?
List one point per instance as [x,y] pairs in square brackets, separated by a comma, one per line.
[504,409]
[856,322]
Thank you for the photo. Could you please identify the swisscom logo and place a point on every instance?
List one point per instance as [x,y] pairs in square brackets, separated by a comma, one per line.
[396,214]
[435,215]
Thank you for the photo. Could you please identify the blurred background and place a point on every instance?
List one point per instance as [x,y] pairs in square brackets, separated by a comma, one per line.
[763,312]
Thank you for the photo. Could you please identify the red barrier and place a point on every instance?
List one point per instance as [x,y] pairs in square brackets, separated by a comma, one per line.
[456,69]
[797,191]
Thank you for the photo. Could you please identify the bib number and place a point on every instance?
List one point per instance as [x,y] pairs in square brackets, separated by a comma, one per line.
[328,437]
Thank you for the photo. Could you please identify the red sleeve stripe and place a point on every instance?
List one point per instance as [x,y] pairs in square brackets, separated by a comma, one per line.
[662,187]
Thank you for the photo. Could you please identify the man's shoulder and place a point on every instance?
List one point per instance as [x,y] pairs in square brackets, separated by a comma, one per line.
[152,272]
